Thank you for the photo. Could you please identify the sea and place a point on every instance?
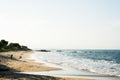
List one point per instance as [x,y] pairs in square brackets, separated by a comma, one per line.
[105,62]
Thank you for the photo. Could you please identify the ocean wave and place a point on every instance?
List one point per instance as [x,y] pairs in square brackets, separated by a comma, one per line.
[97,66]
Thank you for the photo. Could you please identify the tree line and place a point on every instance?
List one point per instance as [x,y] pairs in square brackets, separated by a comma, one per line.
[5,46]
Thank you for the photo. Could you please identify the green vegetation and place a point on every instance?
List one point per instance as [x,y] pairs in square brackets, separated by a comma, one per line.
[4,46]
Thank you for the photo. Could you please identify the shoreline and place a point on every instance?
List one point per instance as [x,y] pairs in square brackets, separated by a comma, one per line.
[24,64]
[69,72]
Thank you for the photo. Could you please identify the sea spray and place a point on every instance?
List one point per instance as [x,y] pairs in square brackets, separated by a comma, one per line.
[98,61]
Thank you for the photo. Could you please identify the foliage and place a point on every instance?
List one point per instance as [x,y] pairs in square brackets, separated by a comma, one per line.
[3,43]
[4,46]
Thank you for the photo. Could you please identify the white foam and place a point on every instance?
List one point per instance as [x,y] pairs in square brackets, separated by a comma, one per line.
[58,60]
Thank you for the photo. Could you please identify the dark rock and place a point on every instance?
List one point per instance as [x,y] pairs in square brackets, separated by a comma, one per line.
[43,50]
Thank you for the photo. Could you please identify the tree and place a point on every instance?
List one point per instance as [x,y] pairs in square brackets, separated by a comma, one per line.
[14,46]
[3,43]
[24,48]
[4,46]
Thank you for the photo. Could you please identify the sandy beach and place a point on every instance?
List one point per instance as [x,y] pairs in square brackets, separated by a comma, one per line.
[20,63]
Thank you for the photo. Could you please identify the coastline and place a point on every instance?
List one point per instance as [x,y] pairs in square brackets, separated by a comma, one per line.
[24,64]
[66,71]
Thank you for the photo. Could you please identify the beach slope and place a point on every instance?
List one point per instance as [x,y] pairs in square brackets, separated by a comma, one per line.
[10,67]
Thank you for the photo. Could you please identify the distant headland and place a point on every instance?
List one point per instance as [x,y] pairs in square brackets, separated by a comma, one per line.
[6,46]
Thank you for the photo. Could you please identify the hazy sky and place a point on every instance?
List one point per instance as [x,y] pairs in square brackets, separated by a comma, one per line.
[77,24]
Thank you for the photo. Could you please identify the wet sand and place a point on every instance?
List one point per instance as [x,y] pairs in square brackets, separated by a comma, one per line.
[20,63]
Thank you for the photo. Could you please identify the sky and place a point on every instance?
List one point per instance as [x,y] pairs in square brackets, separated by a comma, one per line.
[61,24]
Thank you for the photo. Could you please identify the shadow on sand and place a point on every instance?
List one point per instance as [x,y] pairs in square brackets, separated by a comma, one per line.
[7,73]
[19,76]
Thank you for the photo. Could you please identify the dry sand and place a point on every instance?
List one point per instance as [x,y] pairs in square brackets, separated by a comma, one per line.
[17,64]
